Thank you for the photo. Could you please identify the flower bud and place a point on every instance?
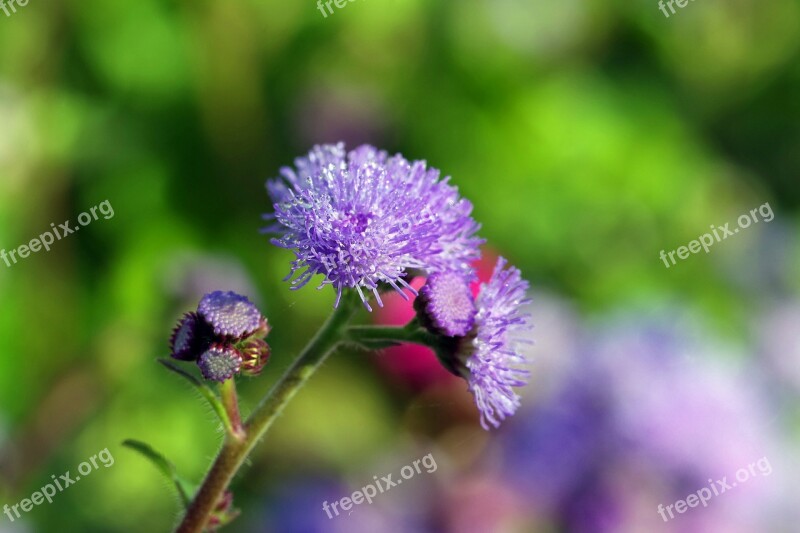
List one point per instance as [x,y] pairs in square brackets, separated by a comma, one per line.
[255,354]
[220,363]
[190,338]
[230,315]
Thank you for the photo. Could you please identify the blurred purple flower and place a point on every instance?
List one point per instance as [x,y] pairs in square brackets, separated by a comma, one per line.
[297,508]
[553,447]
[331,112]
[188,276]
[779,342]
[650,412]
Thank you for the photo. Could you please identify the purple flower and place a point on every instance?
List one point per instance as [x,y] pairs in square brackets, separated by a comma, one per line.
[445,304]
[494,356]
[363,218]
[220,363]
[230,314]
[489,355]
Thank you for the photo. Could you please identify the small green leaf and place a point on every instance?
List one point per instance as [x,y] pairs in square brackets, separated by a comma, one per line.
[163,466]
[205,390]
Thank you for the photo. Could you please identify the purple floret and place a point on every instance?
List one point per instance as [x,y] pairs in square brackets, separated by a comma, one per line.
[363,218]
[445,304]
[220,363]
[493,357]
[230,314]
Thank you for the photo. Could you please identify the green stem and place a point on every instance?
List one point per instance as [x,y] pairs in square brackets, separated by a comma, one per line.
[235,451]
[446,348]
[231,403]
[411,332]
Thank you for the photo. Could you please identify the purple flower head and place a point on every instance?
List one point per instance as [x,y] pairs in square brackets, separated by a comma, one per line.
[190,338]
[220,363]
[363,218]
[230,314]
[489,357]
[445,305]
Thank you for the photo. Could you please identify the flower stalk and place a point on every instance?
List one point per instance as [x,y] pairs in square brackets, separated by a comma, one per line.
[413,332]
[230,401]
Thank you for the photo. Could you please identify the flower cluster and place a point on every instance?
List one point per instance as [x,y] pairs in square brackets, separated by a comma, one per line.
[365,220]
[224,337]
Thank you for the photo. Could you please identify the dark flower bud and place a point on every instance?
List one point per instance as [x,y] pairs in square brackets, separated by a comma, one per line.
[190,338]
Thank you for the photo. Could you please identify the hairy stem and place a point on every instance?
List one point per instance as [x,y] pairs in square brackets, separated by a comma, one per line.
[445,348]
[411,332]
[231,403]
[234,451]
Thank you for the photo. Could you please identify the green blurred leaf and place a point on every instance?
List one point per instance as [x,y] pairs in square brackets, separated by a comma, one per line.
[205,390]
[164,466]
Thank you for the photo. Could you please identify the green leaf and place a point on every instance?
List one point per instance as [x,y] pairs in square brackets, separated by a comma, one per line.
[205,390]
[163,466]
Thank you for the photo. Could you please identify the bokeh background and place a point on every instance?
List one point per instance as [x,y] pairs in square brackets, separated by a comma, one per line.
[589,136]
